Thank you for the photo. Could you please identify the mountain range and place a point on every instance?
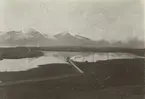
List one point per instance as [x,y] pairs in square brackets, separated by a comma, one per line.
[32,37]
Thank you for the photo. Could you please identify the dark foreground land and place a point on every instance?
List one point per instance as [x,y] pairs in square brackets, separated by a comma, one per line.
[111,79]
[42,92]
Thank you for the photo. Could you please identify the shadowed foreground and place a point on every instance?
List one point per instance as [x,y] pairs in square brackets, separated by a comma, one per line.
[126,81]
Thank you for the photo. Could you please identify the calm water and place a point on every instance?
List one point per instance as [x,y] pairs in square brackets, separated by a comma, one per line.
[58,57]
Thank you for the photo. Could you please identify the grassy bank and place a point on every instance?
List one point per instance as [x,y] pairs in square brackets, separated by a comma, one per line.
[125,75]
[17,53]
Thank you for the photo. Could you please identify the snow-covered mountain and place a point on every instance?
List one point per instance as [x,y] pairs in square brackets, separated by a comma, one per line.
[68,39]
[28,37]
[31,37]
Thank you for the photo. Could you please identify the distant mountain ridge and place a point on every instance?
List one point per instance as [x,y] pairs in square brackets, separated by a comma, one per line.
[32,37]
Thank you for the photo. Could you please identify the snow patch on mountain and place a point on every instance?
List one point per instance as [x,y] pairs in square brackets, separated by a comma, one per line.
[81,37]
[64,34]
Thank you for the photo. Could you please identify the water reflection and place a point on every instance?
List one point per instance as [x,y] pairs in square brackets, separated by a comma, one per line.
[93,57]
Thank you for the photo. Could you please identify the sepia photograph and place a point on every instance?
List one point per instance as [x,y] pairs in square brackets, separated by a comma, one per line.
[72,49]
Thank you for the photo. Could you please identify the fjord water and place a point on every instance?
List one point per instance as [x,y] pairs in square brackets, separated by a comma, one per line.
[27,63]
[58,57]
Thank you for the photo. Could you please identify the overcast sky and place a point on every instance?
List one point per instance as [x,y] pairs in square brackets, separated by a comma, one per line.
[97,19]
